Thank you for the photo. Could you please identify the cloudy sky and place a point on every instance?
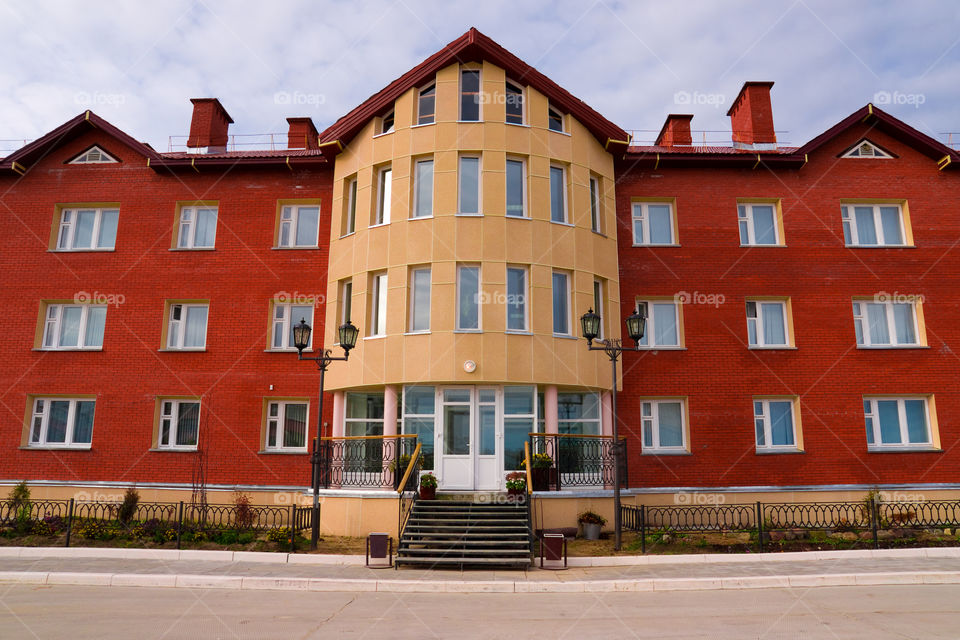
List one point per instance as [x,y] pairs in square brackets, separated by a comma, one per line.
[138,63]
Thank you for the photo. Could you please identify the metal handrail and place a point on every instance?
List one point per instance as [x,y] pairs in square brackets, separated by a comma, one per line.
[572,435]
[414,458]
[397,435]
[527,465]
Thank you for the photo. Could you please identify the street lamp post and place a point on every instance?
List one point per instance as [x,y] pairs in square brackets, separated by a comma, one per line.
[613,347]
[301,339]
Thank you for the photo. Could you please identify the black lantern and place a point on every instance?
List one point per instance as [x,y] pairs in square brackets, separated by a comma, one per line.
[348,336]
[301,335]
[636,323]
[590,323]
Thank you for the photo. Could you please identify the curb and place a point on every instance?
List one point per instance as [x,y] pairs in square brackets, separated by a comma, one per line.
[267,557]
[252,583]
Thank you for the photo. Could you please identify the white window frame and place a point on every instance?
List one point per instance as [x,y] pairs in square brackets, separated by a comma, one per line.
[640,212]
[391,117]
[285,322]
[525,300]
[599,305]
[563,192]
[346,300]
[764,417]
[460,192]
[479,327]
[417,179]
[745,215]
[523,101]
[187,227]
[67,229]
[849,220]
[278,422]
[479,98]
[105,158]
[53,326]
[904,444]
[350,222]
[862,320]
[596,208]
[568,278]
[181,325]
[649,330]
[384,196]
[598,421]
[757,322]
[420,91]
[378,304]
[654,419]
[523,186]
[174,417]
[876,153]
[562,118]
[411,320]
[41,417]
[290,219]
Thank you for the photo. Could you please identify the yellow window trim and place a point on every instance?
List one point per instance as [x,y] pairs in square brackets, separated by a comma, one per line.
[795,409]
[293,202]
[58,215]
[789,309]
[777,202]
[166,320]
[680,325]
[178,206]
[685,402]
[265,410]
[158,409]
[28,415]
[904,209]
[671,200]
[931,408]
[918,307]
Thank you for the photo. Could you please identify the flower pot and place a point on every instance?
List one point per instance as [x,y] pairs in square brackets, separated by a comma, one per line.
[428,493]
[541,478]
[591,531]
[516,492]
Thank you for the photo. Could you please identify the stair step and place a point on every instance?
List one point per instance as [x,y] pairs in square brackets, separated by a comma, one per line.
[453,553]
[482,542]
[460,562]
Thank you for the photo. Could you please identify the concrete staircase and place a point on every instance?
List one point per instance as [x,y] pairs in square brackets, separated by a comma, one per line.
[456,533]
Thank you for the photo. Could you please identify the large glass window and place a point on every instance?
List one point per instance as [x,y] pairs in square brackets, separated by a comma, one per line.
[468,298]
[595,209]
[561,303]
[364,417]
[420,299]
[423,189]
[578,413]
[419,418]
[514,104]
[426,104]
[378,305]
[554,120]
[885,324]
[873,225]
[758,224]
[287,426]
[774,424]
[285,318]
[653,223]
[516,299]
[516,201]
[558,198]
[69,326]
[663,425]
[663,324]
[519,419]
[61,422]
[469,185]
[897,423]
[469,95]
[87,229]
[198,228]
[384,196]
[179,424]
[767,323]
[187,326]
[350,217]
[299,227]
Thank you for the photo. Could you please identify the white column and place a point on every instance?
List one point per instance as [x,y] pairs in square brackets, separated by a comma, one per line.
[550,417]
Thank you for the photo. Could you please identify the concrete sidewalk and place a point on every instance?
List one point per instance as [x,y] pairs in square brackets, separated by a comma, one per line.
[314,572]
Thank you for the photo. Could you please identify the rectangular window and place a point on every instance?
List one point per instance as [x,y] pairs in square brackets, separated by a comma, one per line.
[187,326]
[897,423]
[758,224]
[873,225]
[514,103]
[561,304]
[598,305]
[378,305]
[363,459]
[198,228]
[420,300]
[469,185]
[558,195]
[299,226]
[578,413]
[774,425]
[285,318]
[426,104]
[469,95]
[767,324]
[87,229]
[519,419]
[595,209]
[419,418]
[387,122]
[653,223]
[516,299]
[384,196]
[61,422]
[468,298]
[423,189]
[516,198]
[179,424]
[74,326]
[663,324]
[885,324]
[664,428]
[554,120]
[286,426]
[350,217]
[345,301]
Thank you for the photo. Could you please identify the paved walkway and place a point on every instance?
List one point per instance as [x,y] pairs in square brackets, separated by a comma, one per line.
[306,572]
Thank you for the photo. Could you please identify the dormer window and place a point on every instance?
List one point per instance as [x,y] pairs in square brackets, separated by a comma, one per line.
[866,149]
[555,120]
[427,104]
[386,124]
[94,155]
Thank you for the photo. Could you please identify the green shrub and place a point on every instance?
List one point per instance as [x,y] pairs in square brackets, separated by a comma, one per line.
[20,506]
[246,537]
[128,508]
[279,534]
[226,537]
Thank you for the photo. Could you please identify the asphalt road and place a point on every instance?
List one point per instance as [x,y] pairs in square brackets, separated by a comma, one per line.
[106,613]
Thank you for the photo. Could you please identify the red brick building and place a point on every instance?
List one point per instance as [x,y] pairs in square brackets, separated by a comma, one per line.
[801,302]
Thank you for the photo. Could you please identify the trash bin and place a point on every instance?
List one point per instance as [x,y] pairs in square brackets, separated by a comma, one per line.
[380,547]
[553,548]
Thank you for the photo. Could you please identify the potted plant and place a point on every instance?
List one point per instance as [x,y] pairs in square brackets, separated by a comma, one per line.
[428,486]
[540,468]
[516,483]
[591,523]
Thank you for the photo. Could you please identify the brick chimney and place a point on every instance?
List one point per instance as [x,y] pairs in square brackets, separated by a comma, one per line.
[302,134]
[751,117]
[675,131]
[209,125]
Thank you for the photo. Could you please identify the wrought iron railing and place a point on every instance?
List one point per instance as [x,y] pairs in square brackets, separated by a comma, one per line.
[370,462]
[584,461]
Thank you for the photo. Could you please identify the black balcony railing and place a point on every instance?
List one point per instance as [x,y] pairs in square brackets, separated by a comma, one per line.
[368,462]
[576,461]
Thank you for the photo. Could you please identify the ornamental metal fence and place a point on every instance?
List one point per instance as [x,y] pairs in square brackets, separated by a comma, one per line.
[364,462]
[575,461]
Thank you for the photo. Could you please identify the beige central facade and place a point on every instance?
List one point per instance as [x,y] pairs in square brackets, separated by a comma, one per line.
[437,233]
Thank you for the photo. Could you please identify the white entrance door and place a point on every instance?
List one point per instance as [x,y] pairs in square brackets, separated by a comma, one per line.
[470,438]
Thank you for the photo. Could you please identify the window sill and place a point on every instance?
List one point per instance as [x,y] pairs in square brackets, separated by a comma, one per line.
[417,333]
[288,350]
[173,449]
[382,224]
[423,124]
[648,244]
[563,133]
[566,336]
[379,135]
[412,218]
[664,452]
[94,349]
[904,449]
[478,121]
[192,249]
[599,233]
[281,452]
[376,337]
[517,332]
[197,350]
[469,215]
[305,247]
[880,246]
[56,447]
[762,246]
[770,452]
[347,235]
[518,124]
[510,217]
[468,330]
[563,224]
[81,250]
[644,348]
[888,347]
[783,347]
